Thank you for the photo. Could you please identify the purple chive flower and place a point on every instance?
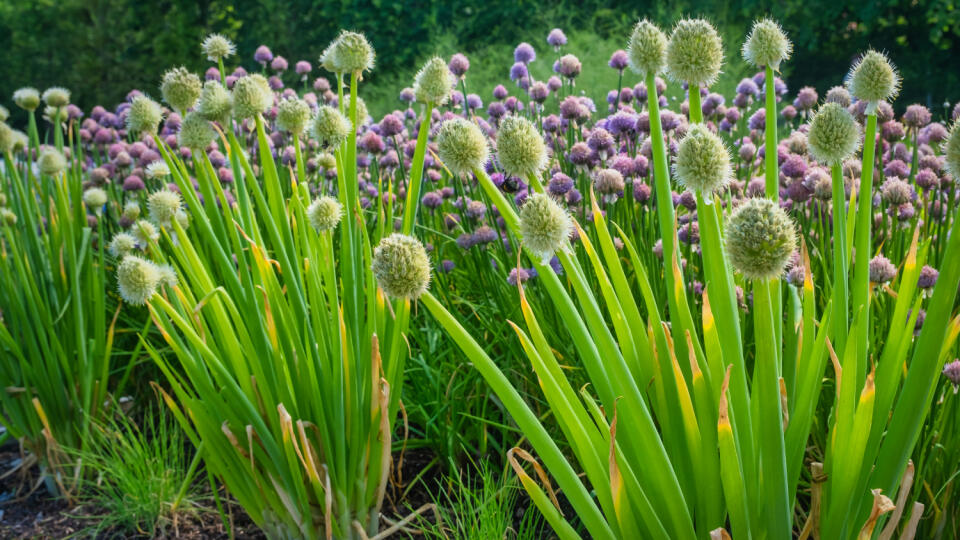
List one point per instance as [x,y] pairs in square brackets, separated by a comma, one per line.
[500,92]
[641,192]
[303,68]
[952,372]
[521,275]
[881,270]
[551,123]
[524,53]
[621,123]
[554,83]
[623,164]
[474,101]
[794,166]
[212,74]
[574,197]
[279,63]
[927,179]
[518,71]
[496,110]
[897,168]
[225,175]
[641,165]
[133,183]
[619,60]
[465,241]
[263,55]
[748,87]
[789,112]
[407,95]
[275,83]
[928,278]
[459,64]
[806,98]
[758,120]
[559,184]
[485,235]
[556,38]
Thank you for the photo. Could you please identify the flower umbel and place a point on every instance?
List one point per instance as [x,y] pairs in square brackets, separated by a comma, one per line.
[760,239]
[544,226]
[462,146]
[401,267]
[703,162]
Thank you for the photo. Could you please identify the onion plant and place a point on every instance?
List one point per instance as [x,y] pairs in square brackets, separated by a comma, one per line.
[664,444]
[290,358]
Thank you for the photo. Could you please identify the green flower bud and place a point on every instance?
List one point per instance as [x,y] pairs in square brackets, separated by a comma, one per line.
[401,267]
[873,78]
[694,53]
[95,198]
[324,213]
[767,45]
[131,210]
[195,132]
[647,49]
[137,280]
[143,116]
[293,115]
[216,103]
[56,96]
[544,226]
[181,88]
[760,239]
[27,98]
[51,162]
[951,151]
[251,96]
[349,53]
[434,82]
[703,162]
[326,161]
[462,146]
[162,206]
[330,126]
[217,47]
[121,245]
[520,147]
[833,135]
[20,141]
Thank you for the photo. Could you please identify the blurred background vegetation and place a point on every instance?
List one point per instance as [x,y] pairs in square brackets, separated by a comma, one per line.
[100,49]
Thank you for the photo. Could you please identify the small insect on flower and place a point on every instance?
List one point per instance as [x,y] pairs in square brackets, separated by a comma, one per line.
[401,267]
[293,115]
[703,162]
[181,88]
[873,78]
[137,280]
[647,49]
[767,45]
[251,96]
[195,132]
[545,226]
[51,162]
[330,126]
[216,103]
[462,146]
[349,53]
[434,82]
[121,245]
[694,53]
[324,213]
[27,98]
[520,147]
[162,206]
[217,47]
[760,238]
[833,135]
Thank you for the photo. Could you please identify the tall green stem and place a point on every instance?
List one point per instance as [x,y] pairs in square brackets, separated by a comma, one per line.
[862,247]
[770,138]
[416,172]
[840,292]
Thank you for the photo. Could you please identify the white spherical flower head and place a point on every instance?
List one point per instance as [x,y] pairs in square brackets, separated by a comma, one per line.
[703,162]
[330,126]
[833,135]
[767,45]
[760,238]
[121,245]
[520,147]
[349,53]
[873,78]
[195,132]
[51,162]
[545,226]
[143,116]
[157,169]
[137,280]
[217,47]
[401,266]
[95,198]
[162,206]
[144,232]
[181,88]
[434,82]
[56,96]
[324,213]
[462,146]
[293,115]
[251,96]
[951,150]
[216,102]
[694,53]
[27,98]
[647,50]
